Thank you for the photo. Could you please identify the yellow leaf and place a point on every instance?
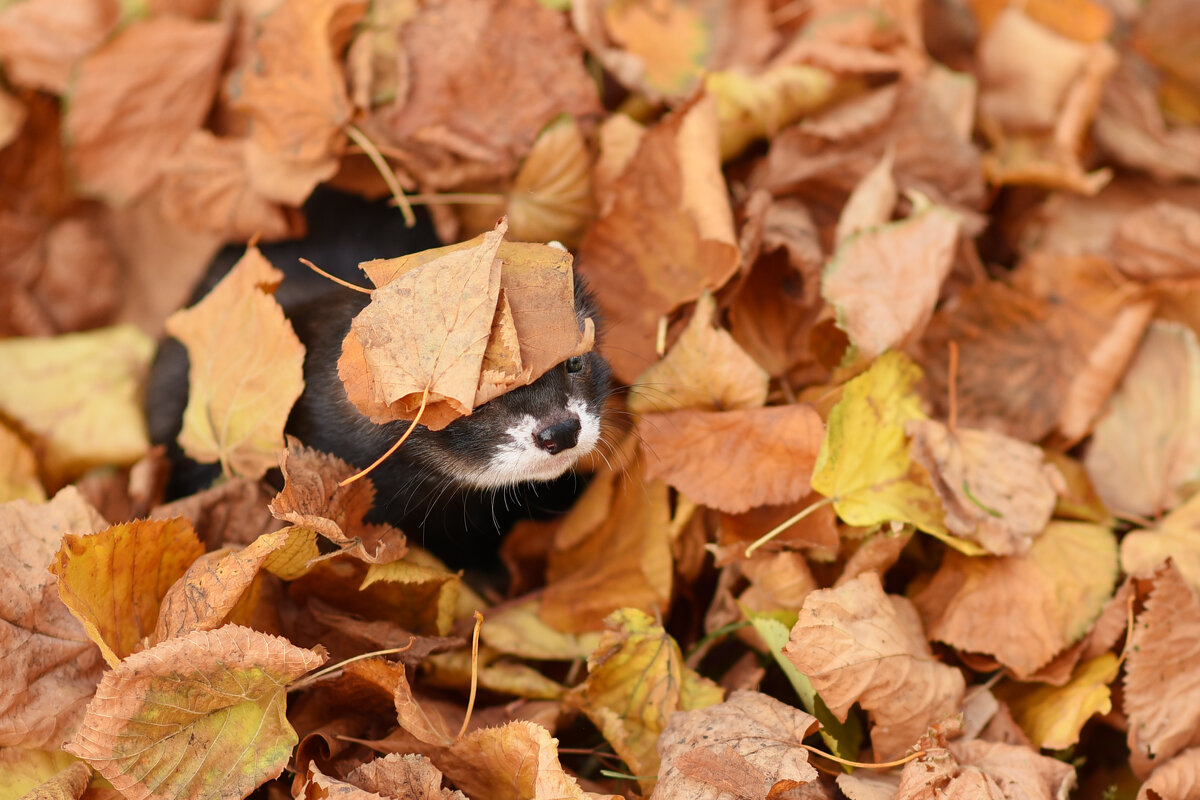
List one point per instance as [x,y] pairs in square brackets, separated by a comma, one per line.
[1177,537]
[636,680]
[18,470]
[551,196]
[78,397]
[864,465]
[751,107]
[429,594]
[22,770]
[246,370]
[1052,716]
[114,581]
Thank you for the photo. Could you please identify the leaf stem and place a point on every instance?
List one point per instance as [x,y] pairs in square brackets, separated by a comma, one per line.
[783,526]
[309,680]
[448,198]
[474,674]
[333,278]
[847,762]
[393,448]
[385,172]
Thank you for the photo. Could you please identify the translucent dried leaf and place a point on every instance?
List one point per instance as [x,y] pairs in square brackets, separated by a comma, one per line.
[872,201]
[1023,610]
[636,680]
[114,581]
[77,396]
[859,645]
[551,195]
[204,713]
[747,746]
[246,369]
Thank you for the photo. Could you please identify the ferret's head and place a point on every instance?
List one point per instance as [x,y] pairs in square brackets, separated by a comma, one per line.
[532,433]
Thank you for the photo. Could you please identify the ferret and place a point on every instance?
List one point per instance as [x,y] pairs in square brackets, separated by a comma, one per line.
[450,490]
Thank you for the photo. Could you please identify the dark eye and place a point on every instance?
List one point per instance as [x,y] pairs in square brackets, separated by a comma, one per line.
[574,364]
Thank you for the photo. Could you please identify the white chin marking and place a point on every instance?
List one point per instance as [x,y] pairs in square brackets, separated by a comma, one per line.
[520,460]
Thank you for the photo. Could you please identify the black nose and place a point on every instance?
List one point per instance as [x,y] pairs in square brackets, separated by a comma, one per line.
[559,436]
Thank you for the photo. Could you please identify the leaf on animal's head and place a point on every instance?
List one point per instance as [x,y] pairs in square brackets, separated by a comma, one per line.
[864,465]
[201,714]
[997,491]
[114,581]
[636,680]
[246,370]
[437,323]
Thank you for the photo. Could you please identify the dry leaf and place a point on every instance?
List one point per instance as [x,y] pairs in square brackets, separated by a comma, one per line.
[49,666]
[884,282]
[114,581]
[1174,537]
[18,470]
[752,107]
[41,41]
[1162,674]
[1179,777]
[551,195]
[746,747]
[1052,716]
[245,370]
[1145,451]
[1160,240]
[1023,610]
[859,645]
[978,769]
[77,398]
[632,712]
[137,98]
[664,234]
[734,460]
[996,490]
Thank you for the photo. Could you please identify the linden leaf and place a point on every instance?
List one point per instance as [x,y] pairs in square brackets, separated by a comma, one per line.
[670,44]
[1023,610]
[636,680]
[996,490]
[551,196]
[198,716]
[1146,450]
[864,465]
[885,281]
[704,369]
[77,397]
[48,667]
[246,370]
[114,581]
[1176,536]
[859,645]
[424,597]
[747,746]
[1052,716]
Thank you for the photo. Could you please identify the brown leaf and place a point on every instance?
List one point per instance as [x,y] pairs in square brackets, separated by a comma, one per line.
[1162,674]
[859,645]
[1160,240]
[293,90]
[735,460]
[746,747]
[704,369]
[1178,777]
[49,667]
[551,196]
[473,102]
[1145,452]
[664,234]
[201,713]
[977,769]
[137,98]
[997,491]
[41,41]
[18,470]
[1023,609]
[232,512]
[245,370]
[114,581]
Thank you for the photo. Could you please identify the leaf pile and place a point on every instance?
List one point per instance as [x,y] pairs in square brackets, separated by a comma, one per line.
[907,296]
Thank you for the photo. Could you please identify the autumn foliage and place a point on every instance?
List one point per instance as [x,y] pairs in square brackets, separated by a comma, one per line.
[904,297]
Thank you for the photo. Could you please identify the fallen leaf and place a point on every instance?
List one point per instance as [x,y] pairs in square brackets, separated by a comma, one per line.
[517,629]
[747,746]
[859,645]
[1047,598]
[864,466]
[734,460]
[392,776]
[1160,240]
[871,203]
[551,195]
[1054,715]
[884,282]
[135,99]
[205,597]
[22,770]
[114,581]
[1174,537]
[1178,777]
[293,91]
[987,770]
[423,597]
[1162,674]
[1145,451]
[632,714]
[758,106]
[41,41]
[245,370]
[77,398]
[201,713]
[1134,131]
[49,667]
[997,491]
[704,369]
[663,236]
[18,470]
